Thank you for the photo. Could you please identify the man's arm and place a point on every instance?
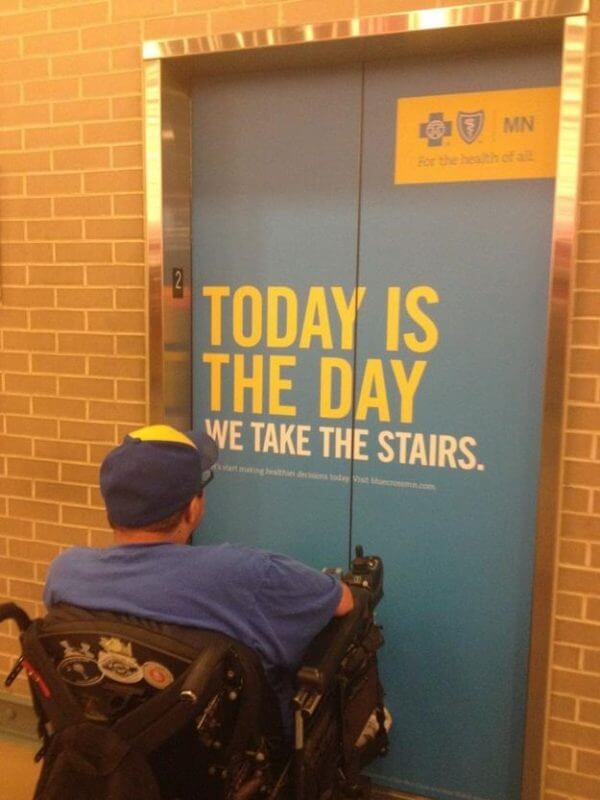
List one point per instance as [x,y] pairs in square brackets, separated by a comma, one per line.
[346,603]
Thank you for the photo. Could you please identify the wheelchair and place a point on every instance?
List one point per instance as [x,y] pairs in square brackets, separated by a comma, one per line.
[132,708]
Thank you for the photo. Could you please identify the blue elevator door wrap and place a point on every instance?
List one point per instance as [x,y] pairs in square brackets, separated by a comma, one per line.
[456,530]
[275,203]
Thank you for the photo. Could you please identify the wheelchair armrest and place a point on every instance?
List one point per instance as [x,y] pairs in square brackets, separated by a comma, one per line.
[322,659]
[201,671]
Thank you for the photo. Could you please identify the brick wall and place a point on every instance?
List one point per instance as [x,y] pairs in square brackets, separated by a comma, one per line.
[73,311]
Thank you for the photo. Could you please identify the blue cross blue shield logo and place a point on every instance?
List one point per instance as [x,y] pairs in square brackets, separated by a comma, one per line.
[470,125]
[435,129]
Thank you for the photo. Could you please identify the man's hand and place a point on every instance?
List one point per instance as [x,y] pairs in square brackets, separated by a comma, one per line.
[346,603]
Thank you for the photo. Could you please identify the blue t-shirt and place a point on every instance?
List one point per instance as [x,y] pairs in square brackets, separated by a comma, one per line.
[269,602]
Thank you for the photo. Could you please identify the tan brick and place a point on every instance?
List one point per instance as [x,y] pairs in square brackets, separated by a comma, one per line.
[584,736]
[12,318]
[585,361]
[16,527]
[81,110]
[116,275]
[51,43]
[582,474]
[56,275]
[129,155]
[118,180]
[113,132]
[79,473]
[25,590]
[126,58]
[9,48]
[117,367]
[24,22]
[127,107]
[79,16]
[16,487]
[14,274]
[101,538]
[86,431]
[60,407]
[186,6]
[590,188]
[84,252]
[16,568]
[95,497]
[26,253]
[7,644]
[12,231]
[11,140]
[582,389]
[27,341]
[574,683]
[585,332]
[114,229]
[129,252]
[58,320]
[12,404]
[245,19]
[54,230]
[128,204]
[569,605]
[30,207]
[587,303]
[588,762]
[122,33]
[176,27]
[560,756]
[52,89]
[565,655]
[595,560]
[11,185]
[32,468]
[92,206]
[10,93]
[90,517]
[85,298]
[131,345]
[30,384]
[41,572]
[137,9]
[58,364]
[131,390]
[32,426]
[562,707]
[576,499]
[121,321]
[98,452]
[32,551]
[577,785]
[589,213]
[32,67]
[63,451]
[96,343]
[81,63]
[61,492]
[120,412]
[580,526]
[84,158]
[33,509]
[28,297]
[16,362]
[61,534]
[578,580]
[579,632]
[579,445]
[587,275]
[29,114]
[52,185]
[113,84]
[87,388]
[589,712]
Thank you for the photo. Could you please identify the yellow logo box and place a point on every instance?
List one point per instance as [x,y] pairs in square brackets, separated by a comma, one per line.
[477,136]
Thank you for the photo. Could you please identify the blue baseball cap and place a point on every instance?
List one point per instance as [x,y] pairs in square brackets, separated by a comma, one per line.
[154,472]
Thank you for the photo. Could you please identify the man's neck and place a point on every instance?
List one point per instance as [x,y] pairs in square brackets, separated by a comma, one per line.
[140,536]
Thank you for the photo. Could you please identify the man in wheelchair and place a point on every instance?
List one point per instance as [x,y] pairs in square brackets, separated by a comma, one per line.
[167,671]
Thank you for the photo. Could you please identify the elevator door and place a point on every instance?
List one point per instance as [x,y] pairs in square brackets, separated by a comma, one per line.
[294,209]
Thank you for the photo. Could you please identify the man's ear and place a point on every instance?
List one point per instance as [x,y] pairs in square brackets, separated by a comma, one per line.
[194,510]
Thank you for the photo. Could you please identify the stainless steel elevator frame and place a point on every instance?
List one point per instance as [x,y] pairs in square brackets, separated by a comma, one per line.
[169,67]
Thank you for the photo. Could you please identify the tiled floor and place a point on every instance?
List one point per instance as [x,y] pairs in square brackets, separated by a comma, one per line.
[18,773]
